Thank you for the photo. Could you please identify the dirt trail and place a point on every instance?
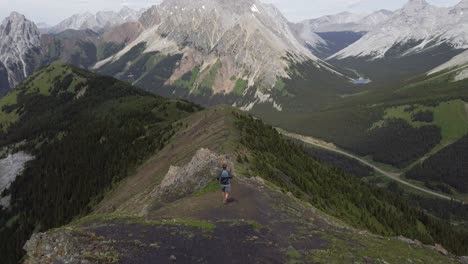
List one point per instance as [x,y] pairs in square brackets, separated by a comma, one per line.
[250,200]
[393,176]
[259,225]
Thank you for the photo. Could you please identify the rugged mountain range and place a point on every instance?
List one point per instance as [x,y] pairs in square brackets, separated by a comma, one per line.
[19,50]
[23,48]
[418,26]
[224,47]
[98,21]
[244,52]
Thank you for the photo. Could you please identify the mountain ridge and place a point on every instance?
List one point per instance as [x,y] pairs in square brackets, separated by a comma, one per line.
[347,21]
[98,21]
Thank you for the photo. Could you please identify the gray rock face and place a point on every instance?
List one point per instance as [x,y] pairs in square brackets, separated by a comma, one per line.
[19,50]
[10,168]
[204,167]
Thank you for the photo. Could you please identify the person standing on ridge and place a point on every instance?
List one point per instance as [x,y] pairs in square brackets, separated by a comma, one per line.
[225,180]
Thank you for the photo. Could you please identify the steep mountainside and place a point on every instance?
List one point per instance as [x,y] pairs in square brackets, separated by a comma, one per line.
[84,132]
[19,50]
[213,48]
[98,21]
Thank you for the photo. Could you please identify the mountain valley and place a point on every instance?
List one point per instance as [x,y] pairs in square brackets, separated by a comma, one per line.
[346,135]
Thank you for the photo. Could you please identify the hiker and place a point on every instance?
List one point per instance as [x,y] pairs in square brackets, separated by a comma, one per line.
[225,180]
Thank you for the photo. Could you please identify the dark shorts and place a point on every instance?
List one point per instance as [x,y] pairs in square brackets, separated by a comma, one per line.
[226,188]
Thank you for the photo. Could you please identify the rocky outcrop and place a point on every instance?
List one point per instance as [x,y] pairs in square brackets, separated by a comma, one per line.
[60,247]
[68,246]
[179,182]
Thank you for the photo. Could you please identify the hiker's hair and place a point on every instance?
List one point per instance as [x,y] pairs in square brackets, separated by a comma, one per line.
[224,166]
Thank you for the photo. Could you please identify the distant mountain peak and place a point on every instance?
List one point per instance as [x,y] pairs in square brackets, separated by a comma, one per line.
[19,41]
[346,21]
[100,20]
[15,15]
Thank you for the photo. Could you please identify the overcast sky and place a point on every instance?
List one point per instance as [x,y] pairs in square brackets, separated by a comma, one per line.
[53,11]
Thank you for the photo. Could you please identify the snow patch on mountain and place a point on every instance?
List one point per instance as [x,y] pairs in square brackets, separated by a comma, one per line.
[254,9]
[417,22]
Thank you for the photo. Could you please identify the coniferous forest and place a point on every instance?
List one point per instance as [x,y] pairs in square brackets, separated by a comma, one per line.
[331,189]
[82,147]
[449,166]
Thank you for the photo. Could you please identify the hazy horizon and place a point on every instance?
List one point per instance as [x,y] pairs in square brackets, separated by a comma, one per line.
[54,11]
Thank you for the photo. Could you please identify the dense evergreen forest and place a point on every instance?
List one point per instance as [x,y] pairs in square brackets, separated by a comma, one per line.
[339,194]
[448,166]
[82,146]
[448,210]
[398,143]
[452,211]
